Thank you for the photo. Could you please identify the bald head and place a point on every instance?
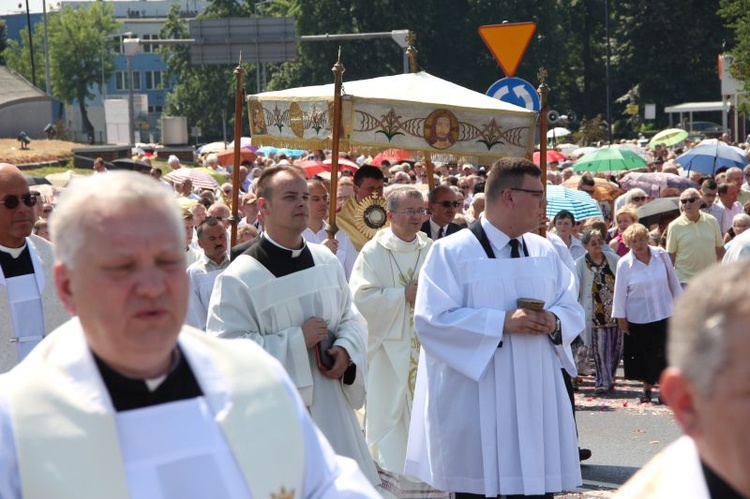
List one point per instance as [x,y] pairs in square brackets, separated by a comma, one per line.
[17,210]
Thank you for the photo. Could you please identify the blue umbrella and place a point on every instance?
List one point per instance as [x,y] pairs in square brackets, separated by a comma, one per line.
[579,203]
[711,155]
[267,150]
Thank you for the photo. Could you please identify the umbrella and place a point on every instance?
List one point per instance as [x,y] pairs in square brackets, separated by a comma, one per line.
[344,164]
[245,143]
[558,132]
[609,159]
[212,147]
[227,157]
[200,179]
[709,156]
[312,167]
[582,150]
[566,149]
[669,137]
[654,182]
[267,150]
[552,156]
[392,156]
[603,189]
[62,179]
[579,203]
[36,180]
[651,212]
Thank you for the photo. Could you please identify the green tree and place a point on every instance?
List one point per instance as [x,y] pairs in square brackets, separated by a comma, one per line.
[78,41]
[3,40]
[18,58]
[737,16]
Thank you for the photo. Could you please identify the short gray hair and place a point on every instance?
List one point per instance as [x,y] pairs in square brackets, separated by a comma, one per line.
[697,343]
[119,188]
[396,196]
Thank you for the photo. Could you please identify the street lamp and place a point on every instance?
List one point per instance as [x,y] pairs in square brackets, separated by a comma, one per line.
[131,47]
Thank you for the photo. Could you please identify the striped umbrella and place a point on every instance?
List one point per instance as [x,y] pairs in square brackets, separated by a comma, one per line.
[579,203]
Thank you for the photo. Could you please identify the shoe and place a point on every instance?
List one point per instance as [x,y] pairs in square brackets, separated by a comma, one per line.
[646,397]
[583,454]
[600,390]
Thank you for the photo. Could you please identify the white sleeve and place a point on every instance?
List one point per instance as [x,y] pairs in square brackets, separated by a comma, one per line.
[10,478]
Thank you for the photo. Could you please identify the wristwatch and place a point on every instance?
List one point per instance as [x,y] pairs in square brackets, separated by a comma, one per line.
[556,335]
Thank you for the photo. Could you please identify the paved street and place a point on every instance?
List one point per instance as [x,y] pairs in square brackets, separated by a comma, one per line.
[622,433]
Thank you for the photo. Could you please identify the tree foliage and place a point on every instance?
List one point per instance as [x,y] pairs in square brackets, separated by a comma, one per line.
[78,43]
[17,56]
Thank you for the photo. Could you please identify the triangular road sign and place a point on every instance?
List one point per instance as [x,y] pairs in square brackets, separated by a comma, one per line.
[508,42]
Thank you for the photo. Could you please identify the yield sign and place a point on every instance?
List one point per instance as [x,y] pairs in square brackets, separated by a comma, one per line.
[508,42]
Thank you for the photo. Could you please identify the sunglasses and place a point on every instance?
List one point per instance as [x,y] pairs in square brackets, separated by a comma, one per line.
[638,198]
[448,204]
[11,202]
[688,200]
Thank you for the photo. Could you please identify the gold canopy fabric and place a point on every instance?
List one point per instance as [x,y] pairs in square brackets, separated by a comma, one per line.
[416,112]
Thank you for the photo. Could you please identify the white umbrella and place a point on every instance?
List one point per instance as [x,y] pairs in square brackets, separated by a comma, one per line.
[567,149]
[212,147]
[558,132]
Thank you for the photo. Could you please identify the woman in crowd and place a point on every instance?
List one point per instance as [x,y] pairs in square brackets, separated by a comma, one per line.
[596,277]
[645,287]
[624,218]
[563,224]
[740,224]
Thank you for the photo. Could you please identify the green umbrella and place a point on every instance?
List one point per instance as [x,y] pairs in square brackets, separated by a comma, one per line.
[669,137]
[609,159]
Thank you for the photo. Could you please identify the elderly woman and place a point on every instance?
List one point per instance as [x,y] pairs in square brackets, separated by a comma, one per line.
[624,218]
[564,223]
[635,196]
[740,223]
[645,287]
[596,277]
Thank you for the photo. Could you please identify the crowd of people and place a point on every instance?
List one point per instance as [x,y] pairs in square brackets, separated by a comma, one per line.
[439,353]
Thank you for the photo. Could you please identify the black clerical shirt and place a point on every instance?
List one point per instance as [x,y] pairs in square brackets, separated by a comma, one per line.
[128,393]
[14,267]
[280,261]
[717,487]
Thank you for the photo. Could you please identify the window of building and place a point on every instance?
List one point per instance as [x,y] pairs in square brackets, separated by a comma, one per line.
[153,80]
[155,109]
[122,81]
[150,47]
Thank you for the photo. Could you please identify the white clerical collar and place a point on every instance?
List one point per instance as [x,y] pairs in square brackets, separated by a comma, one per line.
[295,252]
[14,252]
[401,245]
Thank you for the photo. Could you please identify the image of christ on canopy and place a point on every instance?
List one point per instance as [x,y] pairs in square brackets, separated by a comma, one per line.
[441,129]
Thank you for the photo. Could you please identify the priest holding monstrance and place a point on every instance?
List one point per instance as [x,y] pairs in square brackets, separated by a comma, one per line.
[123,401]
[364,213]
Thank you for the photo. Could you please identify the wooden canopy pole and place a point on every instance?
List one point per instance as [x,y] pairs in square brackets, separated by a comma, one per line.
[338,77]
[543,91]
[238,104]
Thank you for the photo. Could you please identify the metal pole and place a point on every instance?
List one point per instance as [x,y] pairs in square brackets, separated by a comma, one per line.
[31,44]
[338,77]
[543,91]
[48,85]
[609,52]
[131,113]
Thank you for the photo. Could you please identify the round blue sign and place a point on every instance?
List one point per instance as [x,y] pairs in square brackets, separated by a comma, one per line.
[515,91]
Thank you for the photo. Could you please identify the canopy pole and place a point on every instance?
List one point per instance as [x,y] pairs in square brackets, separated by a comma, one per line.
[239,95]
[543,91]
[430,168]
[411,52]
[338,76]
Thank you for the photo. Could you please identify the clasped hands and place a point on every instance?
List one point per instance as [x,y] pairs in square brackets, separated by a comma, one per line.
[314,331]
[525,321]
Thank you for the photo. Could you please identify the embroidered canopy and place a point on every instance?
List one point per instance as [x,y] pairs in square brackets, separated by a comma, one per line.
[416,112]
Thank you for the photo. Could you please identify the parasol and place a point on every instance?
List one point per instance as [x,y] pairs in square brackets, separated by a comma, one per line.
[226,158]
[200,179]
[579,203]
[552,156]
[651,212]
[711,155]
[392,155]
[669,137]
[609,159]
[604,190]
[654,182]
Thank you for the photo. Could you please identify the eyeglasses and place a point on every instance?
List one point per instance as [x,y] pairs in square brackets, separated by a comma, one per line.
[638,198]
[534,192]
[11,202]
[688,200]
[410,212]
[448,204]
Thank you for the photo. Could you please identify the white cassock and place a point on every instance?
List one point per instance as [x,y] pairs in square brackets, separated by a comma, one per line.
[249,301]
[492,419]
[346,252]
[384,267]
[201,276]
[248,434]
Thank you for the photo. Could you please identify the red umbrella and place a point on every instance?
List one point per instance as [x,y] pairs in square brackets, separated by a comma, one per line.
[392,156]
[344,164]
[312,167]
[227,157]
[552,157]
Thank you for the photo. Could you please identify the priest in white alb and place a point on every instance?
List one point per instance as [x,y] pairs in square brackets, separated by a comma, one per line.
[292,298]
[495,314]
[384,286]
[124,402]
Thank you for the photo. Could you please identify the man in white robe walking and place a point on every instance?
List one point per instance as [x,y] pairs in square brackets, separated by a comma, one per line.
[124,402]
[292,298]
[491,413]
[29,306]
[384,287]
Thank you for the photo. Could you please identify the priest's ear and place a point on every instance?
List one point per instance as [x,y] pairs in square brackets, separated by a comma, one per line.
[63,286]
[680,394]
